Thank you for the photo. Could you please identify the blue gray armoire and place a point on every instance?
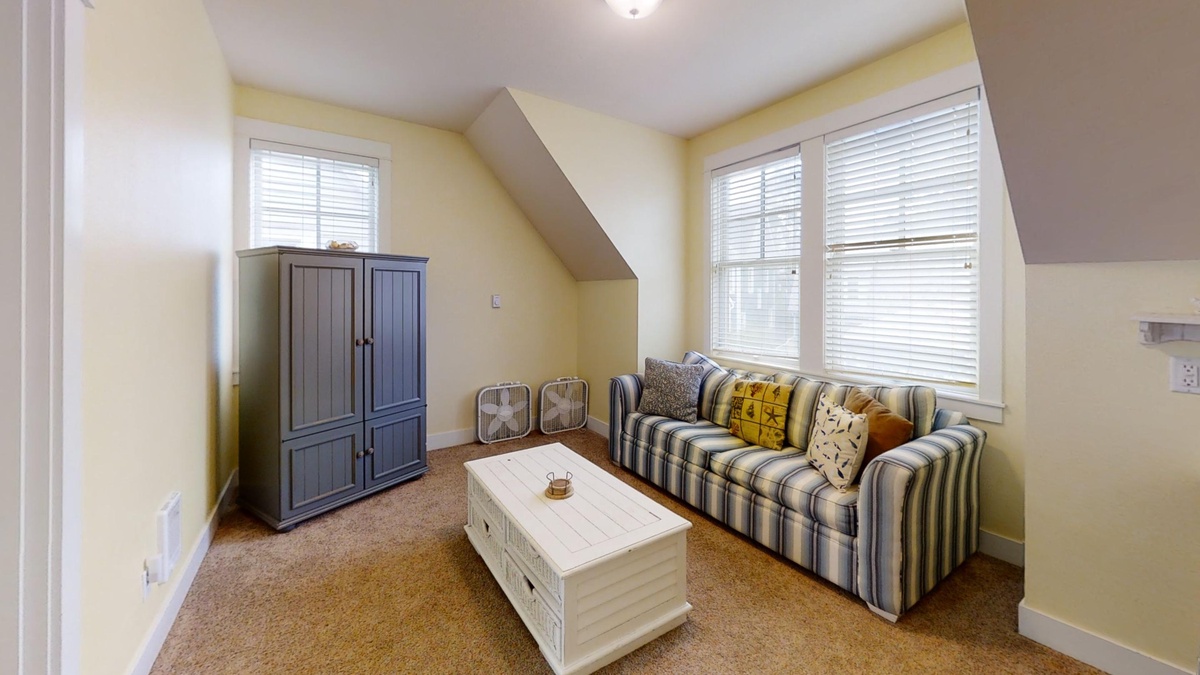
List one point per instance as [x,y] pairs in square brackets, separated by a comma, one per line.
[332,378]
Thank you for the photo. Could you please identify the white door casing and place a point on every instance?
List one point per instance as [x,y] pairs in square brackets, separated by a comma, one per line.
[41,70]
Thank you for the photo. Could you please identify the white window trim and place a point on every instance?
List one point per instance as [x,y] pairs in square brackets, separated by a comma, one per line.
[988,405]
[246,129]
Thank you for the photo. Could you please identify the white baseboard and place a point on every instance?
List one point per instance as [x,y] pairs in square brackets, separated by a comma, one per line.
[1009,550]
[152,644]
[597,426]
[1092,649]
[448,439]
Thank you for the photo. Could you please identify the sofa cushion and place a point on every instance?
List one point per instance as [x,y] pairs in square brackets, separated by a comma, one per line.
[693,443]
[759,412]
[714,375]
[709,385]
[805,395]
[696,358]
[671,389]
[787,477]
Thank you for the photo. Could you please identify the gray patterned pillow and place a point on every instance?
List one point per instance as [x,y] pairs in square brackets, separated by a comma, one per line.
[671,389]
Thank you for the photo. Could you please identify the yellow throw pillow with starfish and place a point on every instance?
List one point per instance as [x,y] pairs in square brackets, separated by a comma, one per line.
[759,412]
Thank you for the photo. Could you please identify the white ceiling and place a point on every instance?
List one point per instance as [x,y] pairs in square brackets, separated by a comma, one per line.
[692,66]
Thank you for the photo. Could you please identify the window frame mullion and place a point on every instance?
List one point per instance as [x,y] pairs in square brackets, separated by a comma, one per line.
[811,341]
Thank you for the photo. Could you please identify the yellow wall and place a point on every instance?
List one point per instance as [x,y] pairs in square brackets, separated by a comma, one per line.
[447,205]
[632,180]
[1002,489]
[608,337]
[156,322]
[1113,460]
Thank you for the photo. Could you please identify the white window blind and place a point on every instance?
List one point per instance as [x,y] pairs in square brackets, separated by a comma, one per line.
[902,246]
[308,197]
[756,258]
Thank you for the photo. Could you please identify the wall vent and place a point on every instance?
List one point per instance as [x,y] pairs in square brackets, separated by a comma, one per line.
[170,542]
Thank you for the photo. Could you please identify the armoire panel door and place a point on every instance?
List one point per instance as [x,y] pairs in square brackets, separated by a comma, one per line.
[395,446]
[322,368]
[395,330]
[321,469]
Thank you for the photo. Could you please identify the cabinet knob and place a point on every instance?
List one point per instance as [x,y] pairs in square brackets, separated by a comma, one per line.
[370,341]
[370,451]
[360,454]
[358,342]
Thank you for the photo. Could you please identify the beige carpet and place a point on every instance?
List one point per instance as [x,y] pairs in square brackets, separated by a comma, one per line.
[391,585]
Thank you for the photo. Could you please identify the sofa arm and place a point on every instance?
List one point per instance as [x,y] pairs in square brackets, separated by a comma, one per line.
[625,393]
[918,516]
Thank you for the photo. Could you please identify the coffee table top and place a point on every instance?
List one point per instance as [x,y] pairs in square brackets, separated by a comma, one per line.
[603,516]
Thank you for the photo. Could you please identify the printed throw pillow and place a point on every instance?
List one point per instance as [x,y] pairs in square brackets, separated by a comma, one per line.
[885,429]
[759,412]
[671,389]
[722,407]
[838,443]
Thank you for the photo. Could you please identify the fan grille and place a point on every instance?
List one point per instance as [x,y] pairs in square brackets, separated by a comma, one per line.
[503,412]
[563,405]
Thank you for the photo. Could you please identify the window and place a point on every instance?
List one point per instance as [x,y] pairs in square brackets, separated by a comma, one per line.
[300,187]
[902,248]
[899,278]
[756,258]
[308,197]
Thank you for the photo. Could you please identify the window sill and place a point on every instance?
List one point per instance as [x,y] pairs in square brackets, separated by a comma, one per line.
[974,408]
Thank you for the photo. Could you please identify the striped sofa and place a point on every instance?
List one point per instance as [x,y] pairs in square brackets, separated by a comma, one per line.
[913,517]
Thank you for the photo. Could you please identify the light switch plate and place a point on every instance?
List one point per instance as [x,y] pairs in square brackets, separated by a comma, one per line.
[1185,375]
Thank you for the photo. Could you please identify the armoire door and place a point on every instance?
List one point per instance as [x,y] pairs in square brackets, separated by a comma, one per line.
[395,446]
[321,469]
[321,343]
[395,336]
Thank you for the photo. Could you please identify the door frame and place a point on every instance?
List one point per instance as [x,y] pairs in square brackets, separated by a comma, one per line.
[41,171]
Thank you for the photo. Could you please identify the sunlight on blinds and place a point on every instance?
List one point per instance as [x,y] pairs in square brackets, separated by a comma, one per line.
[902,250]
[756,258]
[307,200]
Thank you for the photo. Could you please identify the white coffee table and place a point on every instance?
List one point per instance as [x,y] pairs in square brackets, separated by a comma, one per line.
[593,576]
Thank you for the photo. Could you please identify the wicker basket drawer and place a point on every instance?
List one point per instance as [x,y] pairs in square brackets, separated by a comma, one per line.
[490,534]
[535,605]
[519,546]
[480,494]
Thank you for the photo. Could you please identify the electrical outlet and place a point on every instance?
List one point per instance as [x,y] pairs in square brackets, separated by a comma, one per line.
[145,583]
[495,302]
[1185,375]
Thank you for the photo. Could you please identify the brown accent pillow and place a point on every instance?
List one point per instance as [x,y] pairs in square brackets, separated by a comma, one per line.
[885,429]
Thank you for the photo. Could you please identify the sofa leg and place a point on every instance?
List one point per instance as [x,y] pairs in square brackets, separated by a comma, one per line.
[887,615]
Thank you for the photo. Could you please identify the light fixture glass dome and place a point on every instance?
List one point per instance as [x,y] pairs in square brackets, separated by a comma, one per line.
[634,9]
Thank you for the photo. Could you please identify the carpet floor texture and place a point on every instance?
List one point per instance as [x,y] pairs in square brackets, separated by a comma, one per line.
[390,584]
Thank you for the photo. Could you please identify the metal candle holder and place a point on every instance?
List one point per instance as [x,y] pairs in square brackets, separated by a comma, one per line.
[559,488]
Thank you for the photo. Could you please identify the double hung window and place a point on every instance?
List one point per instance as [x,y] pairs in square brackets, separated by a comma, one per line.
[888,285]
[308,197]
[756,258]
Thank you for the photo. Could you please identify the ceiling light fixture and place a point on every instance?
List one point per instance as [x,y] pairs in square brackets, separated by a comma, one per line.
[634,9]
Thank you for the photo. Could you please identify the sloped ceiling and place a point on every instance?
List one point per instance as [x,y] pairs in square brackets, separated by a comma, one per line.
[504,138]
[1095,107]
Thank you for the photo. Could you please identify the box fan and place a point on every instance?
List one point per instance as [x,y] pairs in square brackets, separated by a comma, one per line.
[564,405]
[503,412]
